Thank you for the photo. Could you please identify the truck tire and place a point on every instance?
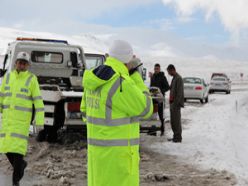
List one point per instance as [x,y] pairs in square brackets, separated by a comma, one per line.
[50,133]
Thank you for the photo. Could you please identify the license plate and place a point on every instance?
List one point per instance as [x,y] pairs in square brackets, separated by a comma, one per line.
[188,88]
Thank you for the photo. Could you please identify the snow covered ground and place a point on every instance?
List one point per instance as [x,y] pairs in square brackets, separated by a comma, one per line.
[215,135]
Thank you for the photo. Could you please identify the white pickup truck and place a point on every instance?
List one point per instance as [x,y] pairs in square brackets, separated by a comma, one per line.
[59,67]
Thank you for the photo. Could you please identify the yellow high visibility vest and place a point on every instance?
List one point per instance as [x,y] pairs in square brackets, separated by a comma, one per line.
[113,102]
[18,93]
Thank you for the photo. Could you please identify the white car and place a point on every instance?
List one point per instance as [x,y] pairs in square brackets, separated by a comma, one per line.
[220,84]
[195,88]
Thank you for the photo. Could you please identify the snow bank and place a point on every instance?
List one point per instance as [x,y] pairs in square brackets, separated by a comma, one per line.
[215,136]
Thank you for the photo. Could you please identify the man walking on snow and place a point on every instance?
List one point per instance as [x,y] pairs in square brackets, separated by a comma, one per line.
[112,103]
[176,103]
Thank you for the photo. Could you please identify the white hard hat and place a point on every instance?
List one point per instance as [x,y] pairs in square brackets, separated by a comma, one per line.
[121,50]
[23,56]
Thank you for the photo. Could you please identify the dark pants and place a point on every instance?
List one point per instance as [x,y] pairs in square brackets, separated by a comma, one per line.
[18,165]
[175,120]
[161,116]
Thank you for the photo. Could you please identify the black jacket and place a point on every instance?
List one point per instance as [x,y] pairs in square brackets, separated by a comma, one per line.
[159,80]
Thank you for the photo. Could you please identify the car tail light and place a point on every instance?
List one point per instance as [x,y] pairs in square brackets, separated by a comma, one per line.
[73,106]
[198,88]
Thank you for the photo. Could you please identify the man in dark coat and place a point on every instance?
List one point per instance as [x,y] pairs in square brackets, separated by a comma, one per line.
[176,103]
[159,80]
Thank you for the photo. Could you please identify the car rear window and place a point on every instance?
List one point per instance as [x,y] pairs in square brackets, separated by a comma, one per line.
[192,80]
[219,79]
[46,57]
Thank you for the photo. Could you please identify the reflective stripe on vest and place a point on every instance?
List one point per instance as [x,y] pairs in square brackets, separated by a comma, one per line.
[115,86]
[24,97]
[7,78]
[8,94]
[23,109]
[39,110]
[19,136]
[113,142]
[37,98]
[14,135]
[28,80]
[111,122]
[7,88]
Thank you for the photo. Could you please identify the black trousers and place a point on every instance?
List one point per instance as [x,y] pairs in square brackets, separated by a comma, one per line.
[18,165]
[161,116]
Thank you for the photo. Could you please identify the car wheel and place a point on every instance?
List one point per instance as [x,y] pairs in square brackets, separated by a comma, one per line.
[185,100]
[206,100]
[202,101]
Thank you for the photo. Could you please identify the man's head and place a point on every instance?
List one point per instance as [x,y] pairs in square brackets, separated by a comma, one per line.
[22,61]
[156,68]
[171,70]
[122,51]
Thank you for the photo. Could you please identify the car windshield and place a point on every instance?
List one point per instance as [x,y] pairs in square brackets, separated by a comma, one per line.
[192,80]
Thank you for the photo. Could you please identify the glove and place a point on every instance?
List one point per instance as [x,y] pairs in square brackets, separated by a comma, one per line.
[135,65]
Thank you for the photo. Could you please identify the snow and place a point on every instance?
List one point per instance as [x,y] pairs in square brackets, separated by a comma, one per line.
[215,135]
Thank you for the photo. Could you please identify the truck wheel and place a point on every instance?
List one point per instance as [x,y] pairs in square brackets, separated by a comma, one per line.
[52,134]
[41,136]
[59,118]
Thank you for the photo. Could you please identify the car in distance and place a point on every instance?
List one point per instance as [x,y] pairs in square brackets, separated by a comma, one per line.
[220,84]
[195,88]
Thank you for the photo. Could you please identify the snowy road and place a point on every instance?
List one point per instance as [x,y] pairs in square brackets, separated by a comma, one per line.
[215,135]
[4,180]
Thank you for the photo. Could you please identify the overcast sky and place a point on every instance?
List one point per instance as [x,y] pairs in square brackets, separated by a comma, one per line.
[186,28]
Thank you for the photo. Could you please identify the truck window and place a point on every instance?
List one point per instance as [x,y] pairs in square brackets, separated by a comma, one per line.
[46,57]
[93,61]
[73,56]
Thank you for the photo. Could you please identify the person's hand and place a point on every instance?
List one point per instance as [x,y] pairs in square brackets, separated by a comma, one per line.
[150,74]
[135,65]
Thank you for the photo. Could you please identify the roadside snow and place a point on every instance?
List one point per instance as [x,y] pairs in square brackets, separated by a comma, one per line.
[215,135]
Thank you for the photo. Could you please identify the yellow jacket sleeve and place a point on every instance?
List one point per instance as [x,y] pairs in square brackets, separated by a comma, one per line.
[2,93]
[134,98]
[38,102]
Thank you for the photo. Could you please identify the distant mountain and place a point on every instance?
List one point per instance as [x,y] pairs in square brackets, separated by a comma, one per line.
[90,43]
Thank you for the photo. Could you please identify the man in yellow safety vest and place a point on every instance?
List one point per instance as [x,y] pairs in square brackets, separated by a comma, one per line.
[113,102]
[18,92]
